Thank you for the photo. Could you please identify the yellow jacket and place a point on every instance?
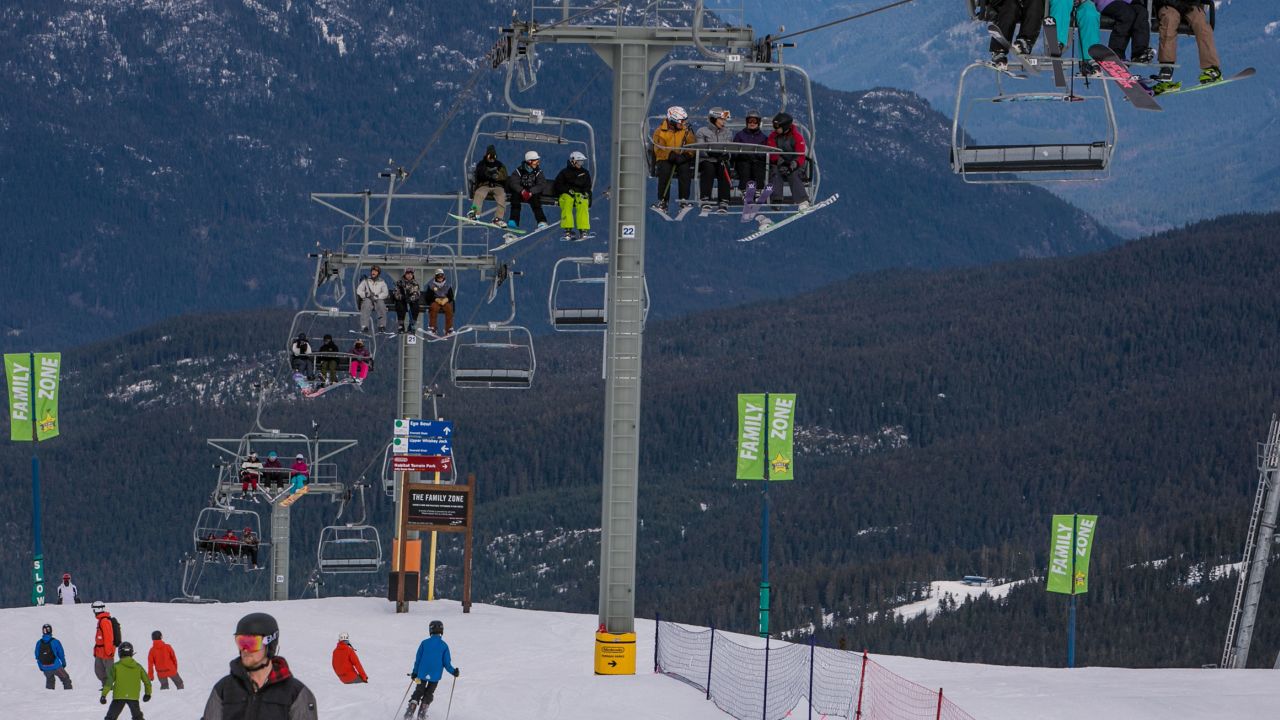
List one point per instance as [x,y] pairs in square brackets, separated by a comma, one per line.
[667,137]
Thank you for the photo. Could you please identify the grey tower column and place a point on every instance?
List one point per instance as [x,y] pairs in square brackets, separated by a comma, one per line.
[280,552]
[408,405]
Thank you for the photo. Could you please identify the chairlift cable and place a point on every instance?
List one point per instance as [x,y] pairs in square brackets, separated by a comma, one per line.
[571,18]
[841,20]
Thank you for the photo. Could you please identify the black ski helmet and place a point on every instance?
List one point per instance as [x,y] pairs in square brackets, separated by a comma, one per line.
[126,649]
[47,629]
[155,635]
[782,121]
[436,627]
[264,625]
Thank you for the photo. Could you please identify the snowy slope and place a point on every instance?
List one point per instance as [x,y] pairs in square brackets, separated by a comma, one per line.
[526,664]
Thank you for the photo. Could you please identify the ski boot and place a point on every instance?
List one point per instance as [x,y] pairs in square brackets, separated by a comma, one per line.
[1164,81]
[660,206]
[541,225]
[473,212]
[722,208]
[568,235]
[499,222]
[1090,69]
[1022,47]
[422,711]
[1210,75]
[1000,59]
[511,225]
[1146,57]
[410,710]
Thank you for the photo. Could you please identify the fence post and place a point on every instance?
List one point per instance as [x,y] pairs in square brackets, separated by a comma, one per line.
[811,652]
[764,709]
[939,715]
[657,623]
[862,681]
[711,656]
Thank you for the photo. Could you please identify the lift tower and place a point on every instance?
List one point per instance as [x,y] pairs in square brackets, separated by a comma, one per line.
[632,45]
[1257,552]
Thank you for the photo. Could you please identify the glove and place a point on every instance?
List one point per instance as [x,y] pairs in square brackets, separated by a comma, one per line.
[525,195]
[146,698]
[457,672]
[442,301]
[102,699]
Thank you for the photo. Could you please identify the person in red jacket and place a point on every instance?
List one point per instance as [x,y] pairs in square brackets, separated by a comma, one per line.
[787,165]
[104,641]
[161,661]
[346,664]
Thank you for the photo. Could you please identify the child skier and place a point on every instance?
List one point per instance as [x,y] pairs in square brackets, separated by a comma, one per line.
[124,680]
[428,667]
[573,188]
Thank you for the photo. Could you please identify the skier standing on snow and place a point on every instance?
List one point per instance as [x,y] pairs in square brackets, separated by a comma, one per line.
[124,680]
[713,169]
[573,189]
[67,592]
[750,166]
[428,667]
[346,664]
[1171,13]
[104,641]
[162,661]
[490,176]
[527,184]
[51,660]
[787,165]
[371,296]
[1027,16]
[260,685]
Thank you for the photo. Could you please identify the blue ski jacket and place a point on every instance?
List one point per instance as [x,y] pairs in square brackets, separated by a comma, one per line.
[60,659]
[432,659]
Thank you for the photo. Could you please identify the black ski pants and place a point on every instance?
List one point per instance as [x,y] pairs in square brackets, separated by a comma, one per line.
[750,169]
[683,173]
[117,706]
[60,674]
[793,179]
[1132,22]
[534,201]
[1026,15]
[713,172]
[423,694]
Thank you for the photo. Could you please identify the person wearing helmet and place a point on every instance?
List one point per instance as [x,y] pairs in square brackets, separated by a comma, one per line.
[162,661]
[408,298]
[124,681]
[750,164]
[714,139]
[259,684]
[51,660]
[527,185]
[250,473]
[489,178]
[67,592]
[249,550]
[105,640]
[273,472]
[371,299]
[439,294]
[300,356]
[671,159]
[573,189]
[327,360]
[787,165]
[298,472]
[428,667]
[360,361]
[346,664]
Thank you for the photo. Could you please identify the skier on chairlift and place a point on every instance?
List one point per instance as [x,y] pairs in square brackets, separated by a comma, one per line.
[327,361]
[750,166]
[670,159]
[527,185]
[359,362]
[787,165]
[439,295]
[1087,18]
[1027,16]
[300,356]
[713,169]
[408,297]
[572,187]
[490,178]
[371,296]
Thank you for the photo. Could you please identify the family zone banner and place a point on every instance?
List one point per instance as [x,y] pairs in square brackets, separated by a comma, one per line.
[766,425]
[33,395]
[1069,553]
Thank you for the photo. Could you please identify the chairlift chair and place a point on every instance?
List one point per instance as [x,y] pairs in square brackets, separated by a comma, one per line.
[495,355]
[343,325]
[578,297]
[349,548]
[513,133]
[212,525]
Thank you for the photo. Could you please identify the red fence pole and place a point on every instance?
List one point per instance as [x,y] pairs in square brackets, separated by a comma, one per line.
[939,715]
[861,681]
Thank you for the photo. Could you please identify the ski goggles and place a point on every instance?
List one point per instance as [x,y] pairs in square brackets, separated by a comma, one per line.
[253,643]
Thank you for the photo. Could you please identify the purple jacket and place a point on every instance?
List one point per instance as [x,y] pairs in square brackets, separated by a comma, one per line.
[1102,4]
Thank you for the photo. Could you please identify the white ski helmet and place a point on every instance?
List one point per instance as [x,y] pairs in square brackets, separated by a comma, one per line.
[716,113]
[531,156]
[675,113]
[577,157]
[343,637]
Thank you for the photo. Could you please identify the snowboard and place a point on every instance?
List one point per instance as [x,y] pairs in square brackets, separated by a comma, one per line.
[1114,68]
[789,219]
[1054,47]
[293,496]
[1028,64]
[1242,75]
[487,224]
[751,202]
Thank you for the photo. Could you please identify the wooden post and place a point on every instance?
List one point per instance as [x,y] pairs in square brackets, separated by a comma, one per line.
[401,574]
[466,547]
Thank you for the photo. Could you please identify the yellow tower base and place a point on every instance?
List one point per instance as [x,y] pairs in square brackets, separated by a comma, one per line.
[615,653]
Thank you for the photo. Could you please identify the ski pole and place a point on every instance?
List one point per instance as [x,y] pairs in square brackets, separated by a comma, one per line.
[402,699]
[450,705]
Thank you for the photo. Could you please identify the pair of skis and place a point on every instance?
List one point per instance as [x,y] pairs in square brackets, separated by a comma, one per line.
[686,207]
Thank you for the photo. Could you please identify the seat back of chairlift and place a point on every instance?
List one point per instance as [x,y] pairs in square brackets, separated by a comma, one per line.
[493,356]
[511,129]
[342,325]
[216,521]
[349,549]
[577,302]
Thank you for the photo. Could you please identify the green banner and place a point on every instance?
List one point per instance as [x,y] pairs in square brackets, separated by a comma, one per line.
[751,436]
[17,370]
[48,366]
[1071,545]
[782,417]
[37,581]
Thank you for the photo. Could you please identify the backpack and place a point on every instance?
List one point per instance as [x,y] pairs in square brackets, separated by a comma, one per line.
[47,656]
[115,631]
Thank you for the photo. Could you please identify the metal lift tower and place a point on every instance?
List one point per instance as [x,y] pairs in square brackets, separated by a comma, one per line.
[1257,551]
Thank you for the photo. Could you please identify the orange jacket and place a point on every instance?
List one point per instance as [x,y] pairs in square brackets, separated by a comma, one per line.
[346,664]
[161,660]
[104,642]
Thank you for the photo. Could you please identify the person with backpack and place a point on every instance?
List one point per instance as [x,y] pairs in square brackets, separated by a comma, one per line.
[346,664]
[105,640]
[428,667]
[162,661]
[67,592]
[260,684]
[124,681]
[51,660]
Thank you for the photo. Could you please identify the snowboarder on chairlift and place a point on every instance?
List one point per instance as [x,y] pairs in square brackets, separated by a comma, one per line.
[527,184]
[1131,26]
[273,471]
[371,296]
[489,179]
[298,472]
[713,169]
[750,166]
[1171,13]
[669,157]
[787,165]
[1027,16]
[573,189]
[359,362]
[67,592]
[51,660]
[439,294]
[428,667]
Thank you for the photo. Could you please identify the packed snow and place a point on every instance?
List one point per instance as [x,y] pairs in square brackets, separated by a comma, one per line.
[528,665]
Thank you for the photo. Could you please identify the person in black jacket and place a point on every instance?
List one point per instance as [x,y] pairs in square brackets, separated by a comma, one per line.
[490,176]
[327,360]
[572,188]
[407,295]
[527,184]
[259,685]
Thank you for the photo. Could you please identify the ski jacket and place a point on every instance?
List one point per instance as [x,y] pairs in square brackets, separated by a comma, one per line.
[408,291]
[717,138]
[60,659]
[372,288]
[437,290]
[751,137]
[281,697]
[125,679]
[791,144]
[572,180]
[104,640]
[67,594]
[299,467]
[667,138]
[299,348]
[1102,4]
[330,346]
[360,354]
[490,173]
[346,664]
[432,659]
[160,659]
[250,469]
[527,177]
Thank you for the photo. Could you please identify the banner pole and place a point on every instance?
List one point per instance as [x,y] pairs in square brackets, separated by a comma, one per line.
[765,600]
[37,589]
[1071,607]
